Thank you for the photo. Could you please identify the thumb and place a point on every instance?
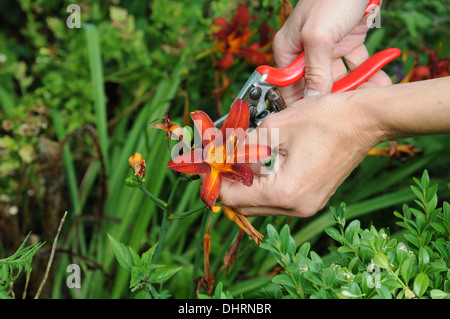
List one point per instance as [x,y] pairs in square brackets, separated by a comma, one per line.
[318,67]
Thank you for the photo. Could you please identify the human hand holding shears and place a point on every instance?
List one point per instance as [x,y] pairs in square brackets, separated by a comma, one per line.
[321,139]
[261,89]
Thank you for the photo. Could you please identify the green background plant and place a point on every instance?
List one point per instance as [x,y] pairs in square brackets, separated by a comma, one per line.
[371,263]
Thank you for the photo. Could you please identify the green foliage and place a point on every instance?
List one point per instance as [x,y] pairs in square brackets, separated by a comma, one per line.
[218,293]
[370,263]
[144,274]
[13,266]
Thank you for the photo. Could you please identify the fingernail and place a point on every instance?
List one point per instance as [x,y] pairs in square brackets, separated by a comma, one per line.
[309,92]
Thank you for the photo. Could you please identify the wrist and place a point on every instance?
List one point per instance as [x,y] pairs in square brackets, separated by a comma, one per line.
[404,110]
[363,117]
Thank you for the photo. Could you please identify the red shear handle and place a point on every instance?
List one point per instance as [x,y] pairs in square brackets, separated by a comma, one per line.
[366,70]
[296,70]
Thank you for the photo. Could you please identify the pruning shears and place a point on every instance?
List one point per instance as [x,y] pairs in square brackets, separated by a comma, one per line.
[263,97]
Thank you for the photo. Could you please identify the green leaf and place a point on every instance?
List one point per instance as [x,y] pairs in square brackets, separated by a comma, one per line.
[424,258]
[437,266]
[218,292]
[418,193]
[4,294]
[438,227]
[138,274]
[439,294]
[446,207]
[335,234]
[344,249]
[381,260]
[287,242]
[441,250]
[384,292]
[147,256]
[162,274]
[329,276]
[425,182]
[314,278]
[352,229]
[283,280]
[123,254]
[407,270]
[272,232]
[431,193]
[402,252]
[304,249]
[412,239]
[421,284]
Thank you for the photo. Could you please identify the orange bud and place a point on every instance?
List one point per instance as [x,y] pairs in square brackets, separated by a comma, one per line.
[138,164]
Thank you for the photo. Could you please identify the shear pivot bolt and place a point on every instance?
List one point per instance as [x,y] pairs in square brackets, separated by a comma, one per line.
[255,93]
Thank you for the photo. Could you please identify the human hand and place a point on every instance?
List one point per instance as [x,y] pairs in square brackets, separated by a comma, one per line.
[330,32]
[321,140]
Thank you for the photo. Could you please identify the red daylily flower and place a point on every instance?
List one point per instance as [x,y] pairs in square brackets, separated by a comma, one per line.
[233,38]
[435,67]
[224,153]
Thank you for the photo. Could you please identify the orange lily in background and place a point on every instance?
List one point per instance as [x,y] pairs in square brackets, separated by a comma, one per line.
[395,151]
[435,67]
[224,154]
[138,164]
[233,39]
[171,129]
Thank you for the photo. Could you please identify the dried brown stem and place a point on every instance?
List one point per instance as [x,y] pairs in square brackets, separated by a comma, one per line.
[52,255]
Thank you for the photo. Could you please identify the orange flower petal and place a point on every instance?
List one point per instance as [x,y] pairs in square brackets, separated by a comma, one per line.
[240,172]
[232,252]
[225,62]
[190,163]
[243,223]
[210,188]
[205,126]
[252,153]
[241,19]
[239,117]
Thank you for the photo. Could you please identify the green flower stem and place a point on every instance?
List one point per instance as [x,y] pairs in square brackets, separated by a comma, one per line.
[184,214]
[161,239]
[203,54]
[167,208]
[160,203]
[297,285]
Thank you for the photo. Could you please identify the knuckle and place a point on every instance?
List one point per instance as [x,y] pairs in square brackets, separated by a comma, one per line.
[318,36]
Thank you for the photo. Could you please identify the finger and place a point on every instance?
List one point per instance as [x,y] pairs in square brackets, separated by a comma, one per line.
[287,46]
[356,57]
[359,55]
[339,69]
[235,194]
[264,211]
[378,79]
[318,66]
